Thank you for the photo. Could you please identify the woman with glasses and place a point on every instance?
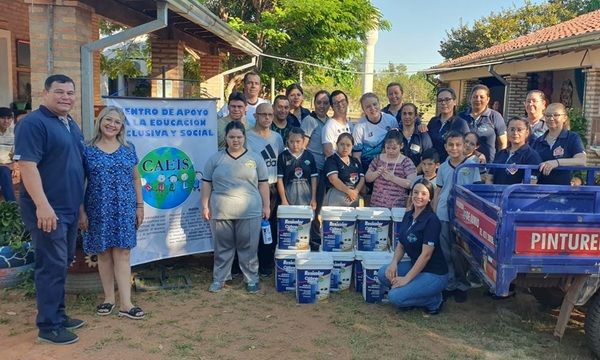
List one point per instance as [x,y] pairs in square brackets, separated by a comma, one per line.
[446,121]
[297,113]
[338,124]
[558,146]
[535,105]
[488,123]
[518,153]
[113,209]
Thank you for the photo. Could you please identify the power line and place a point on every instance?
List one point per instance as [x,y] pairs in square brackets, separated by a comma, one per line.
[332,68]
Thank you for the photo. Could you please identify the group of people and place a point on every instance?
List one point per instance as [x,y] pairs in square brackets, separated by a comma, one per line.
[71,185]
[270,155]
[389,158]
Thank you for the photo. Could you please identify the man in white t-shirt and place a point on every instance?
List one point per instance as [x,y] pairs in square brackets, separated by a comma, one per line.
[252,87]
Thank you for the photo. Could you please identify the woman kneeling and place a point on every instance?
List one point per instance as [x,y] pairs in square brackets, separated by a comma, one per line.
[419,282]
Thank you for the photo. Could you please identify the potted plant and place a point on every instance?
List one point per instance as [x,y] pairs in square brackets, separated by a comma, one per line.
[16,251]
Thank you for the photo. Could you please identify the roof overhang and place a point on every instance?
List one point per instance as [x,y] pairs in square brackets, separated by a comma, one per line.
[573,43]
[188,20]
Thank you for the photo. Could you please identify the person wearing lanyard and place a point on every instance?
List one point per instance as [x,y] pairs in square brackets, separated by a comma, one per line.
[446,121]
[535,105]
[518,153]
[488,123]
[420,281]
[415,142]
[558,147]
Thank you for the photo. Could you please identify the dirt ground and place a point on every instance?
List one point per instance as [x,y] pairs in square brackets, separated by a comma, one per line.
[195,324]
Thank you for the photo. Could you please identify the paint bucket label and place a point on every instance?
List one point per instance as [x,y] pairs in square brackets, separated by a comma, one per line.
[285,274]
[373,290]
[312,285]
[372,235]
[341,275]
[293,233]
[338,235]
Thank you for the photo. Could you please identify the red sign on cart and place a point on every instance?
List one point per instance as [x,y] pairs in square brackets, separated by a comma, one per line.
[558,241]
[481,225]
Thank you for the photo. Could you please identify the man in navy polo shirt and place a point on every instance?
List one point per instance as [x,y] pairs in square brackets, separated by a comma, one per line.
[49,148]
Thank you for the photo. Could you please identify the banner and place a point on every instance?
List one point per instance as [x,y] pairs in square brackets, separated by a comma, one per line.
[173,139]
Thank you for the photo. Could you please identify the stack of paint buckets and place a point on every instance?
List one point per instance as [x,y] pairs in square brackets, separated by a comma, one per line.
[337,239]
[372,251]
[293,234]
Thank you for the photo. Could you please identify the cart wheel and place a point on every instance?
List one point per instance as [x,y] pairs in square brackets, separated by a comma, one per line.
[551,297]
[592,325]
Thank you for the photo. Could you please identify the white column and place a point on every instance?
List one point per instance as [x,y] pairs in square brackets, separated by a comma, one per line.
[369,64]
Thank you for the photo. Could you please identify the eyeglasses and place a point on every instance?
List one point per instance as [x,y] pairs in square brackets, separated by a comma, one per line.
[444,100]
[266,114]
[518,130]
[116,122]
[339,103]
[553,116]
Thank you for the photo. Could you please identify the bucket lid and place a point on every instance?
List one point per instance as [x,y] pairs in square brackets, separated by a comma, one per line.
[373,212]
[303,211]
[341,212]
[342,256]
[287,254]
[376,259]
[314,259]
[398,214]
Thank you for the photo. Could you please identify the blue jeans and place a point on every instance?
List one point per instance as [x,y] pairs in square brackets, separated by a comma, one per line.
[6,183]
[424,290]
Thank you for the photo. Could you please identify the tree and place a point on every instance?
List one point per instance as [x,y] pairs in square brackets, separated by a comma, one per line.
[325,32]
[510,24]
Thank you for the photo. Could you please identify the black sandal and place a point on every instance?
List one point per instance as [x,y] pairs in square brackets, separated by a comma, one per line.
[133,313]
[104,309]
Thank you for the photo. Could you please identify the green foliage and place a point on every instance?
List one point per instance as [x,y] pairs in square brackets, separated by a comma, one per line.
[27,285]
[578,123]
[12,229]
[508,24]
[326,32]
[120,60]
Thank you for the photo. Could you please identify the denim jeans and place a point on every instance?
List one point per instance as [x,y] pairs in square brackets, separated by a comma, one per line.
[6,183]
[424,290]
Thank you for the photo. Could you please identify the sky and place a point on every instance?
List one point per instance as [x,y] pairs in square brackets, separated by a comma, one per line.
[418,26]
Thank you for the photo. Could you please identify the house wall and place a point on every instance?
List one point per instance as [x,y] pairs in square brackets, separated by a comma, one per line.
[562,67]
[16,28]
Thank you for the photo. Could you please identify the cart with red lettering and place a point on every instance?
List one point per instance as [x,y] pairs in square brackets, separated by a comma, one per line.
[543,237]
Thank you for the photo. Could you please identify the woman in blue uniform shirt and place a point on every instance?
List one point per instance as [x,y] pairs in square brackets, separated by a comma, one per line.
[446,121]
[518,152]
[558,147]
[419,282]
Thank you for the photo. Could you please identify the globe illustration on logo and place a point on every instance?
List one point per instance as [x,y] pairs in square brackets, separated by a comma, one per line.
[167,176]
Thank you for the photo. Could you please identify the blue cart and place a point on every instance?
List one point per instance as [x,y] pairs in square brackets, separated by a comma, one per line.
[543,237]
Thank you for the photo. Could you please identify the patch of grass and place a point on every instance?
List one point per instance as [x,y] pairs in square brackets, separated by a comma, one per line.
[4,321]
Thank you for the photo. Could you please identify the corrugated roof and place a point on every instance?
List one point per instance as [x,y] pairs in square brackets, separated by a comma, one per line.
[584,24]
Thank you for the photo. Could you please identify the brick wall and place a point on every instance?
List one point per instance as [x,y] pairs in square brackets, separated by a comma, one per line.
[210,68]
[57,33]
[517,92]
[466,90]
[167,53]
[592,115]
[13,18]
